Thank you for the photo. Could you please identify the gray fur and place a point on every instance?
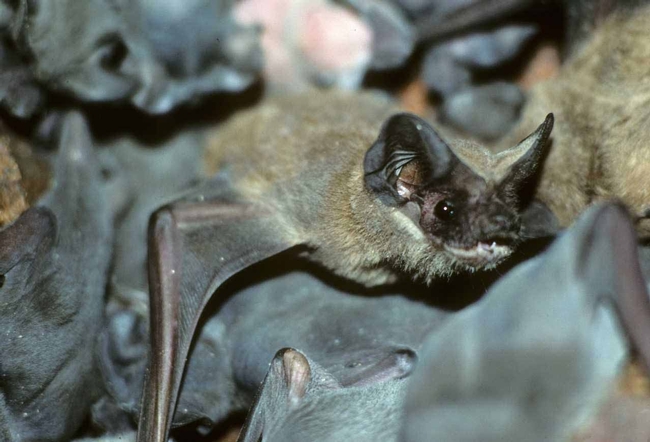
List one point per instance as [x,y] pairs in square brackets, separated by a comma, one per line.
[350,335]
[54,262]
[326,412]
[154,55]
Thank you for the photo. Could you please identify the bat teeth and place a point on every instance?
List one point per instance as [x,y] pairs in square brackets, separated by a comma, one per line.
[480,254]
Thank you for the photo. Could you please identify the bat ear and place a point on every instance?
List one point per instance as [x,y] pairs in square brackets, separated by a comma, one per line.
[405,138]
[537,221]
[290,378]
[526,158]
[392,363]
[295,371]
[31,234]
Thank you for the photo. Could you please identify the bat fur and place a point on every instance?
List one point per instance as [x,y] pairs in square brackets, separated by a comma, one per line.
[54,262]
[601,99]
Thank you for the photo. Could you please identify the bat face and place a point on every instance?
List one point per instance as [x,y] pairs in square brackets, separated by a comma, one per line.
[474,219]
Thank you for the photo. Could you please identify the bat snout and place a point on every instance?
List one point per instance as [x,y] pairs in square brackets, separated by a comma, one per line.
[501,229]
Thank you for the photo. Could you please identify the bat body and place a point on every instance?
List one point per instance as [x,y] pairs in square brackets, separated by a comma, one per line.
[535,356]
[300,400]
[599,147]
[356,335]
[369,201]
[135,52]
[54,263]
[144,177]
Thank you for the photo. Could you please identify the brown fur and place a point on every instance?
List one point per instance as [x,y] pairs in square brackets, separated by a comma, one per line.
[601,140]
[303,156]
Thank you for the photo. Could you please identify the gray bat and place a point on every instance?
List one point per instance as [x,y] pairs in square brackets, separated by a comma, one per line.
[358,335]
[141,52]
[538,355]
[369,201]
[54,263]
[529,362]
[144,176]
[301,401]
[140,177]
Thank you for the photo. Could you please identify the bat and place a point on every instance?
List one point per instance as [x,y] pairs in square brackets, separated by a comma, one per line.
[318,175]
[357,338]
[144,177]
[539,353]
[54,262]
[600,99]
[535,356]
[449,18]
[134,52]
[358,335]
[300,400]
[140,176]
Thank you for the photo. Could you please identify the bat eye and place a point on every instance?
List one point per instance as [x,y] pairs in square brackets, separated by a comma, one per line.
[445,210]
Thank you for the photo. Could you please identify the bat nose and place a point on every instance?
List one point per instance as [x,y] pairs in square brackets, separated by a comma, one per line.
[500,228]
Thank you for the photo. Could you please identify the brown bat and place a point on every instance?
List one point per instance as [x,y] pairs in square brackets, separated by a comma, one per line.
[369,195]
[600,147]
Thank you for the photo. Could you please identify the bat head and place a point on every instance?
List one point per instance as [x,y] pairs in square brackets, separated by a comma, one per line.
[466,202]
[300,401]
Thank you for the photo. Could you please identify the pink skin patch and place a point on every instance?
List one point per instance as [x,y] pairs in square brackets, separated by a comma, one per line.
[323,36]
[272,15]
[334,39]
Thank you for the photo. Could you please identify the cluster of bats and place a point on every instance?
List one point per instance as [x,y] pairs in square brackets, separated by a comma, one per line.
[139,52]
[293,263]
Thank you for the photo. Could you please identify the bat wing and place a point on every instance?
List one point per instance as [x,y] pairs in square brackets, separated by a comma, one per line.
[194,246]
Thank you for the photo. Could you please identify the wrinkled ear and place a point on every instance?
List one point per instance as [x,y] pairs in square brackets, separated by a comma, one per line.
[32,233]
[537,221]
[526,158]
[290,378]
[396,363]
[605,259]
[295,370]
[406,140]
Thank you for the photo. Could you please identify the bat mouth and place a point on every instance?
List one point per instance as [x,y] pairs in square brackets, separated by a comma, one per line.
[481,254]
